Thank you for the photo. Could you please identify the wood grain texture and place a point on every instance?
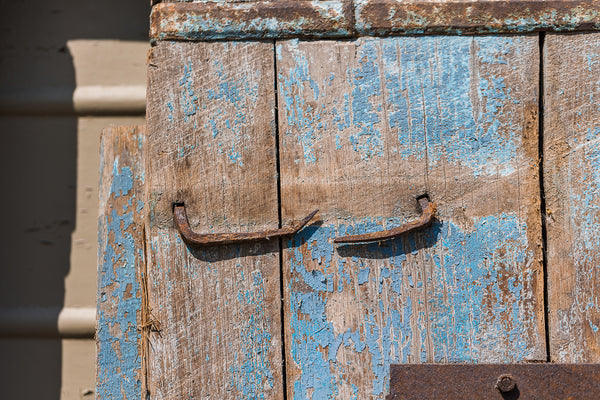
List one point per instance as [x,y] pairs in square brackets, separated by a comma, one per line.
[368,125]
[211,145]
[236,20]
[250,20]
[572,188]
[388,17]
[120,262]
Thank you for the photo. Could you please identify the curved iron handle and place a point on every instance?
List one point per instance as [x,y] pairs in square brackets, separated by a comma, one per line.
[207,239]
[426,219]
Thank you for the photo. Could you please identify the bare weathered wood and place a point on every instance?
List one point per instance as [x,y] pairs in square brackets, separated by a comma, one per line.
[211,146]
[366,126]
[387,17]
[572,188]
[121,260]
[250,20]
[235,20]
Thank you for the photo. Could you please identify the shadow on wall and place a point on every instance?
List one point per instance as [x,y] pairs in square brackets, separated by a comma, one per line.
[38,138]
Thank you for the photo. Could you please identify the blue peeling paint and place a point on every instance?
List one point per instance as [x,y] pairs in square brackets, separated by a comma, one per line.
[117,335]
[438,99]
[585,201]
[476,301]
[249,342]
[366,115]
[300,113]
[122,180]
[188,97]
[224,105]
[363,275]
[251,372]
[582,203]
[425,90]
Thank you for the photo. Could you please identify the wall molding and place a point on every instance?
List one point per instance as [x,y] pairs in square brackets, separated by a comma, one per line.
[84,100]
[47,322]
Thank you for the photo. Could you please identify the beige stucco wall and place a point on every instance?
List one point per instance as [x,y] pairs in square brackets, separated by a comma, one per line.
[67,70]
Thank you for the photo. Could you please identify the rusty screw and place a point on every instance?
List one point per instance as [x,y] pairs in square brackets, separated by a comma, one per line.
[505,383]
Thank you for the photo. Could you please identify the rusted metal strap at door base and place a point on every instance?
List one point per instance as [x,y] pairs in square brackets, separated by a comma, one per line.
[494,381]
[336,18]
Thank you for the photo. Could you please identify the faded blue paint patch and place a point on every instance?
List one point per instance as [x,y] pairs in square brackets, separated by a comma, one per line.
[299,112]
[584,213]
[585,200]
[442,107]
[444,98]
[251,371]
[188,98]
[246,335]
[593,61]
[171,109]
[122,180]
[118,361]
[140,204]
[309,124]
[224,105]
[473,305]
[366,89]
[363,275]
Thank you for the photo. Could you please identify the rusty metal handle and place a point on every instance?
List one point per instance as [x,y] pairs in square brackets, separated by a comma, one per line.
[206,239]
[429,209]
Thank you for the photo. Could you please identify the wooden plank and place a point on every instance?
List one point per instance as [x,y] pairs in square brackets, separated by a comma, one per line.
[120,261]
[365,127]
[234,20]
[211,141]
[572,184]
[385,17]
[250,20]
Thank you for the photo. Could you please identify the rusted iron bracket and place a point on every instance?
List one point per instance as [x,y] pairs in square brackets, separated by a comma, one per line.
[426,219]
[276,19]
[209,239]
[494,381]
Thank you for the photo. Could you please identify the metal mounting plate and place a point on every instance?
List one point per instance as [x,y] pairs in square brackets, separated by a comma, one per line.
[545,381]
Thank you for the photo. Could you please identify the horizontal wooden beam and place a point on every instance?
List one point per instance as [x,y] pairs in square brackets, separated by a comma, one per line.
[255,20]
[383,17]
[335,19]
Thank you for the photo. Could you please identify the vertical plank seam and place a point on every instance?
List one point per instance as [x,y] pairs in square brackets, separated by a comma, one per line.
[145,311]
[542,36]
[145,324]
[280,224]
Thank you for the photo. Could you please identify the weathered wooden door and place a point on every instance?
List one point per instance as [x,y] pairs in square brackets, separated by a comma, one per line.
[498,130]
